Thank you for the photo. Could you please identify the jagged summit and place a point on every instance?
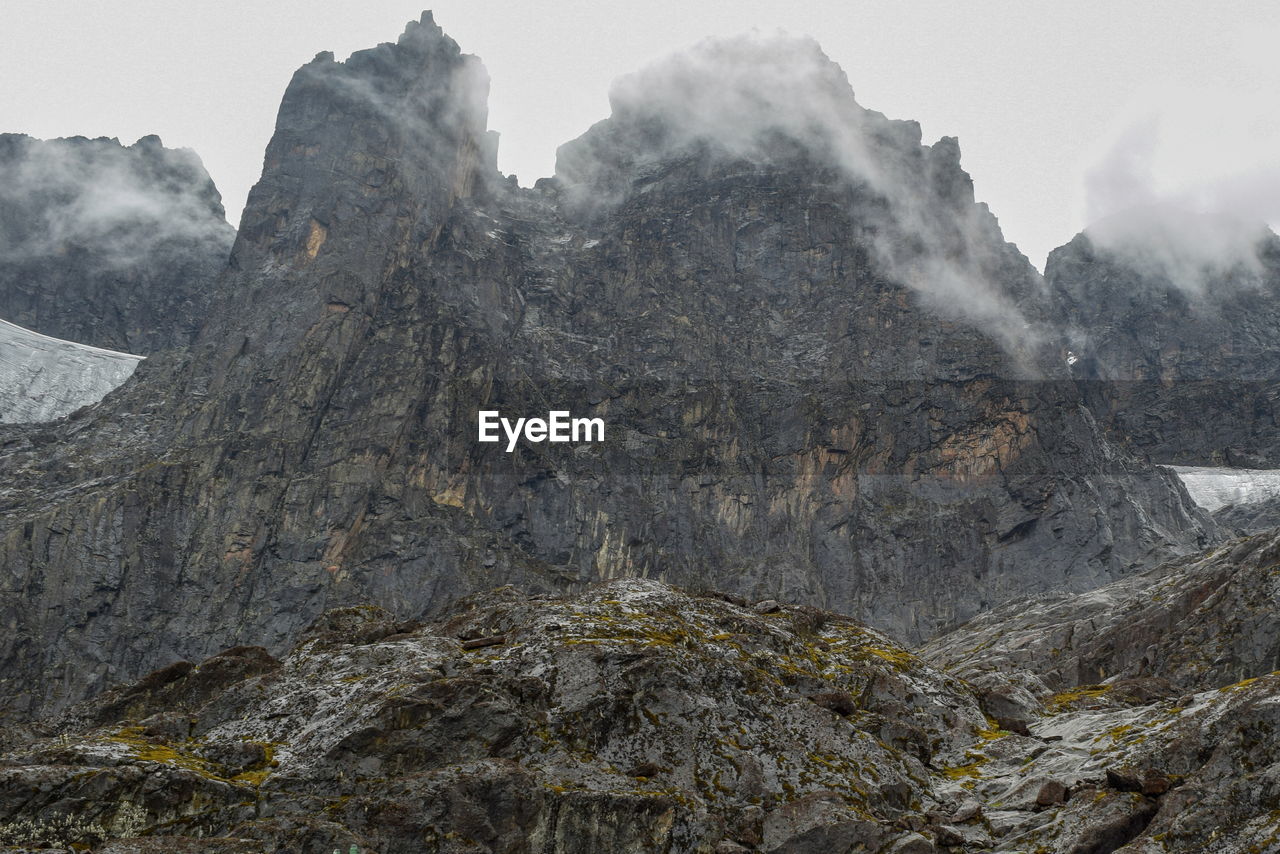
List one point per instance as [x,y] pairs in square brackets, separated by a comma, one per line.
[1172,317]
[777,105]
[84,188]
[754,99]
[404,59]
[423,31]
[403,119]
[743,94]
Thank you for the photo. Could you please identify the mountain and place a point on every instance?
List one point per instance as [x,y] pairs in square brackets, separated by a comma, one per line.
[112,246]
[824,374]
[270,593]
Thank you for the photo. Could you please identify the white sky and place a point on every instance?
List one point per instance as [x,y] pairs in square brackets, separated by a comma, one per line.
[1150,98]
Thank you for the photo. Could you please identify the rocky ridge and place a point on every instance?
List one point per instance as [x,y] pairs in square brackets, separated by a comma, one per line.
[635,717]
[1159,347]
[1198,622]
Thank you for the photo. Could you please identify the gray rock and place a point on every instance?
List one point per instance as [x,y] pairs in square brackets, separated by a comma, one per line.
[1159,353]
[616,733]
[403,741]
[912,843]
[1051,792]
[1212,622]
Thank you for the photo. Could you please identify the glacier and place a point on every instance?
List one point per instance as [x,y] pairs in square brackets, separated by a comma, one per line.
[44,378]
[1214,488]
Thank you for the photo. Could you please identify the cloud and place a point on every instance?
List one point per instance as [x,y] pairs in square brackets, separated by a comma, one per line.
[778,99]
[116,204]
[1192,249]
[1188,188]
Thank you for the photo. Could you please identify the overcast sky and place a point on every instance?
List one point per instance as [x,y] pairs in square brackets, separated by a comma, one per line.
[1065,111]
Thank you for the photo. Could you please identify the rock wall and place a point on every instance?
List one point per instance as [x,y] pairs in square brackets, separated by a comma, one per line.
[1181,367]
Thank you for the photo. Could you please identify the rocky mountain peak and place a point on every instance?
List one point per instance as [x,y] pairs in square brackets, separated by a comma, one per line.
[762,100]
[1204,254]
[368,158]
[810,346]
[1170,315]
[85,193]
[425,31]
[806,379]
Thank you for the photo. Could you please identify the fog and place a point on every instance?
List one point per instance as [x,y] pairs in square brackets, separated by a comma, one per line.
[1188,187]
[758,97]
[116,204]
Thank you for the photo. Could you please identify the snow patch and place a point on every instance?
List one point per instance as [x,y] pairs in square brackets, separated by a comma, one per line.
[43,378]
[1215,488]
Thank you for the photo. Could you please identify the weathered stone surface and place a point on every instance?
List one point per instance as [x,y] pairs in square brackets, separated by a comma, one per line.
[1051,792]
[1188,625]
[404,743]
[411,743]
[1249,518]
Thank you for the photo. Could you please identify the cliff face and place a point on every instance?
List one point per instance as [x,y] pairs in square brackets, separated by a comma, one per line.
[822,370]
[826,379]
[1164,339]
[112,246]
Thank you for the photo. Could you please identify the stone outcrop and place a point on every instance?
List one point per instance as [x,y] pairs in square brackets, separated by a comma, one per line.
[631,717]
[1169,676]
[1196,623]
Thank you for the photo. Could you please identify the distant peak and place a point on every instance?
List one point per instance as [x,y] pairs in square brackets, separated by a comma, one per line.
[735,89]
[423,28]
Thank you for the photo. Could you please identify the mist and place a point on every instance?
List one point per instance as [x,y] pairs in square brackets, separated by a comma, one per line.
[763,99]
[115,204]
[1198,233]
